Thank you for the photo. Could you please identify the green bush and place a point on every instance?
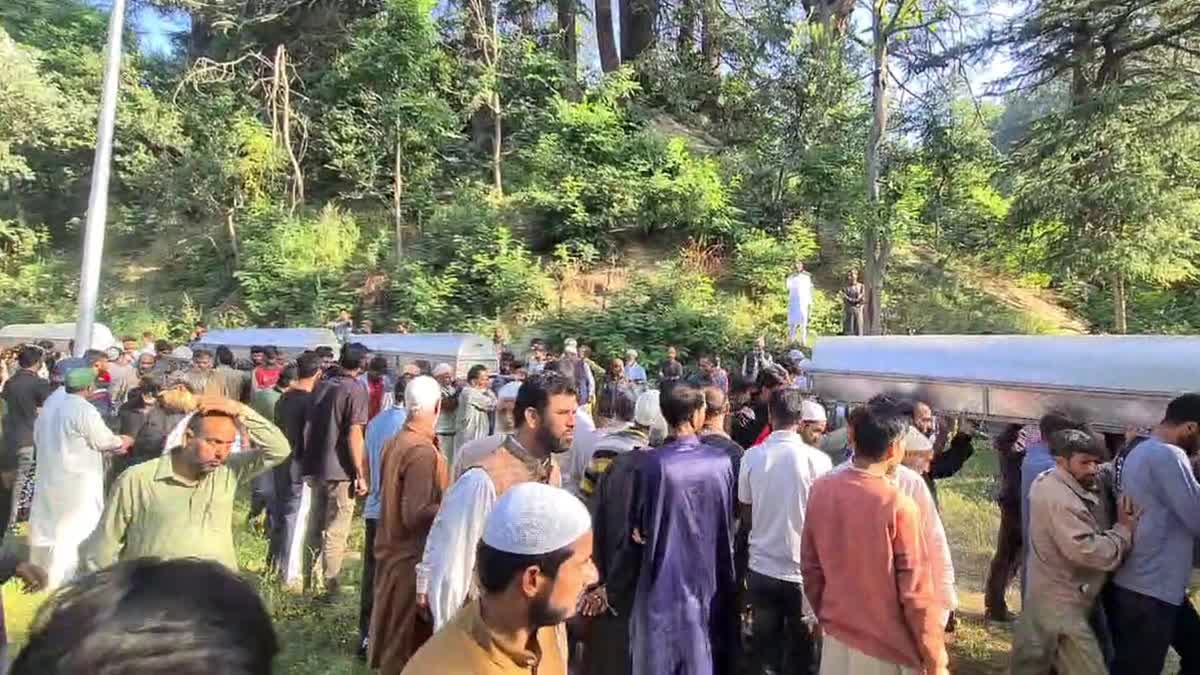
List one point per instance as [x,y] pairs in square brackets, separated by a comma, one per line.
[762,262]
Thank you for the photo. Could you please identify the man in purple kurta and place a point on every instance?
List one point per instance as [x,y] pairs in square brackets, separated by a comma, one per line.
[684,619]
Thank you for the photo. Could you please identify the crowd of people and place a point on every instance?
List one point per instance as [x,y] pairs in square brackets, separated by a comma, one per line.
[562,516]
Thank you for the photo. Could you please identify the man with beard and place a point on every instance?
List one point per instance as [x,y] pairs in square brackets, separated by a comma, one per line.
[1149,606]
[1074,545]
[545,415]
[444,374]
[681,524]
[181,505]
[412,478]
[535,560]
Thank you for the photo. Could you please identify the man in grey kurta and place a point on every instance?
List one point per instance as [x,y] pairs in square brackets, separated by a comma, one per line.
[476,403]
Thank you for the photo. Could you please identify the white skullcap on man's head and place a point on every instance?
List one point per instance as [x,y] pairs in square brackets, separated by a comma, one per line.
[647,411]
[535,519]
[509,391]
[811,411]
[443,369]
[915,441]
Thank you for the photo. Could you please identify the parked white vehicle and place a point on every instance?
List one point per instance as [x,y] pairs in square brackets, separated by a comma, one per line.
[61,334]
[460,350]
[291,342]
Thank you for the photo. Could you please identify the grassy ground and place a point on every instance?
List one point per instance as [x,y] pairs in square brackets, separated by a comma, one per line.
[320,638]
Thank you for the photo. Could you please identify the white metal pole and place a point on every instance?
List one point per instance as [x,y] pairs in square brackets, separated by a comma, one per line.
[93,236]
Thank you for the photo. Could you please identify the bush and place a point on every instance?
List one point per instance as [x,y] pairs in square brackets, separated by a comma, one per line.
[761,261]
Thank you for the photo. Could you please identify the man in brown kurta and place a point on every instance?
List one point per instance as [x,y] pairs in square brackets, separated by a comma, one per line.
[413,479]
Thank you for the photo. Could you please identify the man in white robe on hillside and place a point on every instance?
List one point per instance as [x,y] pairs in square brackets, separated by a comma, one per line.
[71,439]
[800,290]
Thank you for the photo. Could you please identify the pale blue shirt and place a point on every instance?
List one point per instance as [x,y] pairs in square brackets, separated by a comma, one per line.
[380,430]
[635,373]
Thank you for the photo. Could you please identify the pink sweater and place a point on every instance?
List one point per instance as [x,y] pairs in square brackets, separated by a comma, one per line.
[865,571]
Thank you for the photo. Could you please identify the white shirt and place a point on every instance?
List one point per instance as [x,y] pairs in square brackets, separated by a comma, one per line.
[447,569]
[582,444]
[799,292]
[774,479]
[68,501]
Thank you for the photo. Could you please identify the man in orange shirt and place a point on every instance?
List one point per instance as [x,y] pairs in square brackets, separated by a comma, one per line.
[873,592]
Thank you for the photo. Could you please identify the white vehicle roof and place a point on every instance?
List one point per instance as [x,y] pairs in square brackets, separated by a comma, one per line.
[290,341]
[460,350]
[60,334]
[1114,380]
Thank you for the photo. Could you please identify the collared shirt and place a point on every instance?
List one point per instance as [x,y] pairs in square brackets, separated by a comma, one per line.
[774,479]
[1073,543]
[380,430]
[154,512]
[468,645]
[634,372]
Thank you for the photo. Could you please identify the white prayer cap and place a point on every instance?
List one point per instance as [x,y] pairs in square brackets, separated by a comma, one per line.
[647,412]
[535,519]
[443,369]
[811,411]
[796,356]
[570,346]
[631,353]
[509,391]
[915,441]
[422,393]
[182,352]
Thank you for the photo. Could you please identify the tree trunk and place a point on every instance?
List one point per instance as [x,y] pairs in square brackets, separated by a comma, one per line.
[397,197]
[1119,311]
[710,45]
[231,230]
[497,178]
[876,243]
[638,19]
[832,15]
[686,41]
[479,15]
[569,45]
[605,38]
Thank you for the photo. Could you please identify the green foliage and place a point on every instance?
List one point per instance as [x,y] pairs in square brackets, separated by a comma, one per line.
[594,173]
[762,261]
[298,267]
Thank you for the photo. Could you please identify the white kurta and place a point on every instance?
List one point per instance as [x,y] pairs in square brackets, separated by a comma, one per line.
[68,497]
[937,549]
[447,569]
[800,288]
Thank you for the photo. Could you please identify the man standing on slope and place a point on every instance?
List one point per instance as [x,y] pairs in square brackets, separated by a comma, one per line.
[800,292]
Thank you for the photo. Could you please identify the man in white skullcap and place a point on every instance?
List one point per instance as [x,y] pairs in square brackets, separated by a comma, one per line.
[774,481]
[545,418]
[506,401]
[535,560]
[444,374]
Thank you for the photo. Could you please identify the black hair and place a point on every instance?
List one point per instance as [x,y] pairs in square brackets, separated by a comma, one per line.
[307,365]
[128,338]
[474,372]
[786,408]
[536,390]
[153,617]
[271,352]
[877,425]
[400,387]
[497,569]
[150,386]
[324,351]
[379,364]
[1183,409]
[94,355]
[1056,421]
[1068,442]
[47,345]
[30,356]
[287,376]
[197,353]
[619,406]
[225,356]
[161,346]
[679,402]
[772,376]
[258,349]
[354,356]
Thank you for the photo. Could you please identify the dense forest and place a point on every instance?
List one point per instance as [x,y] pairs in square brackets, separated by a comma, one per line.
[638,173]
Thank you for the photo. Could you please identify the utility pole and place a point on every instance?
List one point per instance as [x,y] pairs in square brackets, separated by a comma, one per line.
[97,212]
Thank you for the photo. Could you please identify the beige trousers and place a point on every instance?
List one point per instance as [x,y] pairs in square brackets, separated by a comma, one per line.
[839,659]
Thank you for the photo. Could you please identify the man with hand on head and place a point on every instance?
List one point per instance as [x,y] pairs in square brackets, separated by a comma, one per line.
[534,562]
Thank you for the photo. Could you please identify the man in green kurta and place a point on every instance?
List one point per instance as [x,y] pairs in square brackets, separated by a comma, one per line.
[476,403]
[181,505]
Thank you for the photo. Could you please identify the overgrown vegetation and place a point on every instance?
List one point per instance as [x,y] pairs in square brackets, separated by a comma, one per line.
[459,166]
